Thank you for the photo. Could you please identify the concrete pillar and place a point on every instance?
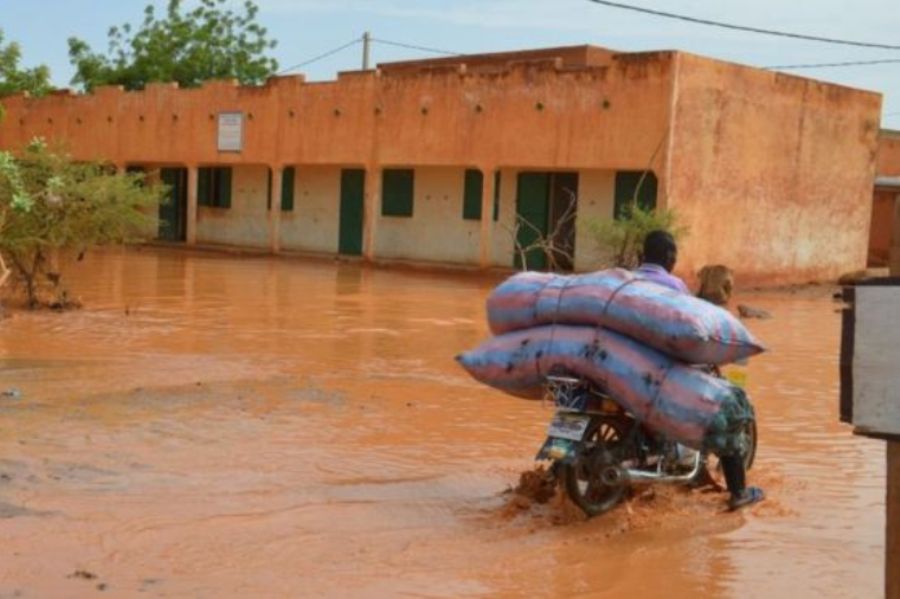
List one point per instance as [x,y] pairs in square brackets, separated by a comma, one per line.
[191,225]
[371,210]
[487,216]
[275,210]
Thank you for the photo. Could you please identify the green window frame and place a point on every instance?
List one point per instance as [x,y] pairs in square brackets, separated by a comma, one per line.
[397,187]
[496,196]
[287,189]
[214,186]
[626,184]
[473,186]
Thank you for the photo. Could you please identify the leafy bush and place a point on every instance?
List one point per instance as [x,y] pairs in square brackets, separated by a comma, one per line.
[621,240]
[50,203]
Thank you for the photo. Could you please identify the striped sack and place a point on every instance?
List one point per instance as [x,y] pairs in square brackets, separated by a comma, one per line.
[685,327]
[678,401]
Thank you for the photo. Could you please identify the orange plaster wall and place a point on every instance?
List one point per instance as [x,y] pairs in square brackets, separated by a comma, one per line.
[773,173]
[531,114]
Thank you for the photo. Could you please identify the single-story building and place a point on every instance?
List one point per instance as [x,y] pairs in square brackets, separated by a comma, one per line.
[473,159]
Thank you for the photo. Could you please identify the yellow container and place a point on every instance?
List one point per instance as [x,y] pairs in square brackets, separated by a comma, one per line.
[736,374]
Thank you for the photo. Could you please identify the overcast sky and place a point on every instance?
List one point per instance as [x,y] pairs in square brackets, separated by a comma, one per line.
[307,28]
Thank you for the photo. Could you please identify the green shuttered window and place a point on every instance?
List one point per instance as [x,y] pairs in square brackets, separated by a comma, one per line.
[287,190]
[626,184]
[214,186]
[496,195]
[472,192]
[397,192]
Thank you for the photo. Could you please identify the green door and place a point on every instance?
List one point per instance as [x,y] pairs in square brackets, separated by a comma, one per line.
[350,231]
[533,216]
[173,212]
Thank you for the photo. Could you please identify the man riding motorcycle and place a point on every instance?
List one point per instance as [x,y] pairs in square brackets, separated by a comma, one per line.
[660,253]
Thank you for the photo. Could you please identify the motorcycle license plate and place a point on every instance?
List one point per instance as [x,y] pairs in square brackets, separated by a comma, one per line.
[568,426]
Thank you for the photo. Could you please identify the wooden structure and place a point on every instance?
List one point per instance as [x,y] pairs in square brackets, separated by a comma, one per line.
[870,392]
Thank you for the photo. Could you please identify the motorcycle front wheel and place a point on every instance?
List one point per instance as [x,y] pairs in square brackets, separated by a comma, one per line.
[605,445]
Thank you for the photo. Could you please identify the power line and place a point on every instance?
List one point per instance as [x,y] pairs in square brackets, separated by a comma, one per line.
[853,63]
[320,56]
[415,47]
[799,36]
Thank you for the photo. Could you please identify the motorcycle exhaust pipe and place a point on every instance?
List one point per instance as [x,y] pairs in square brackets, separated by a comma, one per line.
[631,475]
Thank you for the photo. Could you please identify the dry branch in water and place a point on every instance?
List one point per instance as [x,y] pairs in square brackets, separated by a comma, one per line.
[553,244]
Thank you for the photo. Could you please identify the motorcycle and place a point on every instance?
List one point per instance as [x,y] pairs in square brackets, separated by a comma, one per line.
[598,450]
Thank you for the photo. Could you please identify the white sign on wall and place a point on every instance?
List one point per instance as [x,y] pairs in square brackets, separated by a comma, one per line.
[231,132]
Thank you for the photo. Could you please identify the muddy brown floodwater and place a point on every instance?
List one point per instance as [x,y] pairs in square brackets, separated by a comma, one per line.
[215,426]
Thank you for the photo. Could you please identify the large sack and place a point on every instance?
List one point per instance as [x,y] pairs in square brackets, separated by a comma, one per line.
[681,402]
[683,326]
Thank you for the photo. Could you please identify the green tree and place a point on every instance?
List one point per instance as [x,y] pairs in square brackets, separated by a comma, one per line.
[621,240]
[14,79]
[209,42]
[50,203]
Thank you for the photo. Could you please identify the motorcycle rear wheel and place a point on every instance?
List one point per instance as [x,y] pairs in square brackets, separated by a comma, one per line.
[582,479]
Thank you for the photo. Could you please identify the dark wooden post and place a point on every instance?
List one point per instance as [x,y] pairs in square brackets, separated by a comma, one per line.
[892,497]
[892,513]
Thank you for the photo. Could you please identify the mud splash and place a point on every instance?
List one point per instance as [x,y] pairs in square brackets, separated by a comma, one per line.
[541,499]
[212,426]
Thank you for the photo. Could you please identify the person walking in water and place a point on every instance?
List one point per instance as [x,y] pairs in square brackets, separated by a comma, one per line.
[657,261]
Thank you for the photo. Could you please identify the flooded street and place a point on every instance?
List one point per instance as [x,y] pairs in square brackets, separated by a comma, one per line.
[216,426]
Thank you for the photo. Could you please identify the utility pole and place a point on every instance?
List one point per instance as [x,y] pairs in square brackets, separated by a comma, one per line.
[366,41]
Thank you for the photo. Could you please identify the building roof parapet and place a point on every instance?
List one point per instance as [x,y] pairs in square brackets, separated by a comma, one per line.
[219,84]
[293,80]
[358,74]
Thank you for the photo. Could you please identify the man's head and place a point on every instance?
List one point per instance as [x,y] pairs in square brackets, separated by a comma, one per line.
[660,249]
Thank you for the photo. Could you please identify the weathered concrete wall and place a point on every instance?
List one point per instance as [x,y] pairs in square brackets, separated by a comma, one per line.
[502,241]
[529,114]
[883,200]
[881,232]
[889,153]
[773,173]
[246,222]
[313,223]
[437,230]
[596,202]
